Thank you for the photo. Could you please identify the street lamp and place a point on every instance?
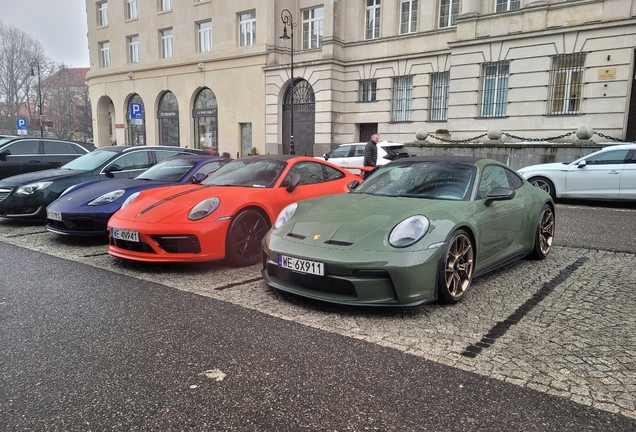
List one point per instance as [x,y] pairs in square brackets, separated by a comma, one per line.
[287,18]
[34,63]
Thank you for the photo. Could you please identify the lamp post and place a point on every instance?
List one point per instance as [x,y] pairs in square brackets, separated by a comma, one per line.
[287,19]
[34,63]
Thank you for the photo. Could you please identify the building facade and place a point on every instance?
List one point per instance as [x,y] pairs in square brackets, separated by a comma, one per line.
[217,73]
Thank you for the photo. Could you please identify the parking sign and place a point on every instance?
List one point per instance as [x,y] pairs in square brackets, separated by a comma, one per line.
[21,125]
[136,111]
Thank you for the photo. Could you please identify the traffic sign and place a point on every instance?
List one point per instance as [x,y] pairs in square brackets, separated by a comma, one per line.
[21,125]
[136,111]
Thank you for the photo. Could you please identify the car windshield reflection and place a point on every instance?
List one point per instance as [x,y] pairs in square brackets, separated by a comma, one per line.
[247,173]
[90,161]
[427,180]
[167,171]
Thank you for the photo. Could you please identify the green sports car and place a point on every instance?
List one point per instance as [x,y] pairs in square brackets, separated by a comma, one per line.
[417,230]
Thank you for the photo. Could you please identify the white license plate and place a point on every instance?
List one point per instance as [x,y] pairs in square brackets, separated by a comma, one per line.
[301,265]
[121,234]
[53,215]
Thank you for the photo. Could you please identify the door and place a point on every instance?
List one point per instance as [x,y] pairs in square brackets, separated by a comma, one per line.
[367,130]
[628,179]
[599,178]
[299,118]
[23,157]
[57,153]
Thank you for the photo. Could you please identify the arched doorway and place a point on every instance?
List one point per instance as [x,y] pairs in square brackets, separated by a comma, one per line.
[206,125]
[304,118]
[105,122]
[135,128]
[168,116]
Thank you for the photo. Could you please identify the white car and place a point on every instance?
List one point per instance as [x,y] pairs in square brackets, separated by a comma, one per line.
[352,154]
[608,174]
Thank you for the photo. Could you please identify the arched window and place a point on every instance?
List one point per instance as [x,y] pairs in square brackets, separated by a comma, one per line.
[168,115]
[136,127]
[205,115]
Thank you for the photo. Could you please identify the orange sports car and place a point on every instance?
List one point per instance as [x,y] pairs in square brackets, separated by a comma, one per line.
[225,216]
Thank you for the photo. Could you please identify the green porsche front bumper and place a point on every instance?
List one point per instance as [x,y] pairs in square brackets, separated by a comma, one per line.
[400,278]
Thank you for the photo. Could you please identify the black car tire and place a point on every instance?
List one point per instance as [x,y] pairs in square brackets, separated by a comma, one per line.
[244,236]
[456,267]
[543,184]
[544,235]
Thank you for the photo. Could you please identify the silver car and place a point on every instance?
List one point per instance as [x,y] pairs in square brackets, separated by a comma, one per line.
[352,154]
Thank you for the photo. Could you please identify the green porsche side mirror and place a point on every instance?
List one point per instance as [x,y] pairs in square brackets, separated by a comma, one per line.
[500,194]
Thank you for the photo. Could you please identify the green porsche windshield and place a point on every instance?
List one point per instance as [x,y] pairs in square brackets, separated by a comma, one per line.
[90,161]
[430,180]
[246,172]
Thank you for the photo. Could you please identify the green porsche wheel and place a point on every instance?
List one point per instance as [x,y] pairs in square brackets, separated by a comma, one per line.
[456,271]
[545,234]
[243,243]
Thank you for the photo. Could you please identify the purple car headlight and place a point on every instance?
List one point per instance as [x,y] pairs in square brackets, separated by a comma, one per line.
[107,198]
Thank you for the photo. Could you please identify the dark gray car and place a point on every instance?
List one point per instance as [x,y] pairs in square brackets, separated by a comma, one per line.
[19,155]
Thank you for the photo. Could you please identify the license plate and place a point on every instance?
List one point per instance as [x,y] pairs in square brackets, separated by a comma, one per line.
[53,215]
[121,234]
[301,265]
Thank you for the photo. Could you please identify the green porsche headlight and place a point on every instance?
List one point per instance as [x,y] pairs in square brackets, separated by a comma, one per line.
[130,199]
[32,188]
[285,215]
[107,198]
[409,231]
[204,208]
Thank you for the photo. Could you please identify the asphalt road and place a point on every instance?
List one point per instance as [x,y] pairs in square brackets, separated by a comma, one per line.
[93,344]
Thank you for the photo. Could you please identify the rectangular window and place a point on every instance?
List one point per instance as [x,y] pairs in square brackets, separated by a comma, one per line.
[133,49]
[313,22]
[165,5]
[102,14]
[402,98]
[372,19]
[205,36]
[439,96]
[367,91]
[104,54]
[494,92]
[448,12]
[247,28]
[131,9]
[507,5]
[566,84]
[166,44]
[408,17]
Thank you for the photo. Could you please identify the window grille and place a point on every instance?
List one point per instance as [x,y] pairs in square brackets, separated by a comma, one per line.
[205,36]
[102,14]
[448,12]
[368,90]
[372,19]
[494,91]
[439,96]
[131,9]
[566,84]
[166,44]
[313,23]
[247,28]
[408,17]
[402,98]
[507,5]
[104,49]
[133,49]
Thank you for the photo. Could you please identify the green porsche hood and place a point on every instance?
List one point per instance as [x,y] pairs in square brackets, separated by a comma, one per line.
[365,221]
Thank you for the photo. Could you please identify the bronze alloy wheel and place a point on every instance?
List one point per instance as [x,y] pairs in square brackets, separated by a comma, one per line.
[545,234]
[457,272]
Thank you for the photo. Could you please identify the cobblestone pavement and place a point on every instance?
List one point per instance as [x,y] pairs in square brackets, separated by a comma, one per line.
[564,326]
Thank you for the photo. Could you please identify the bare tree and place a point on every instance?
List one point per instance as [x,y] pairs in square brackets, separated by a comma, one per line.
[16,83]
[66,97]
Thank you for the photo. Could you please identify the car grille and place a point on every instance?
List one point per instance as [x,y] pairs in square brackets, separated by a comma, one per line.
[179,244]
[4,193]
[318,283]
[79,224]
[132,246]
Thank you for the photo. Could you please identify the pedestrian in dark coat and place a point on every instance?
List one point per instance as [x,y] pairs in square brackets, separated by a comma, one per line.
[371,154]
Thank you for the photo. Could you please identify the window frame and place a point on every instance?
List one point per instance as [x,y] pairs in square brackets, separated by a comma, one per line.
[133,48]
[497,106]
[574,65]
[164,5]
[410,25]
[104,54]
[507,5]
[102,14]
[204,36]
[372,19]
[402,99]
[364,90]
[131,9]
[247,28]
[167,43]
[448,13]
[312,27]
[440,87]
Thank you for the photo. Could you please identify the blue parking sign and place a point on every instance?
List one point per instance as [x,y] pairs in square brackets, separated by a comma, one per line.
[136,111]
[21,125]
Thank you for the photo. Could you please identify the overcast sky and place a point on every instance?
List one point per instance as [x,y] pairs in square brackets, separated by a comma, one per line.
[59,25]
